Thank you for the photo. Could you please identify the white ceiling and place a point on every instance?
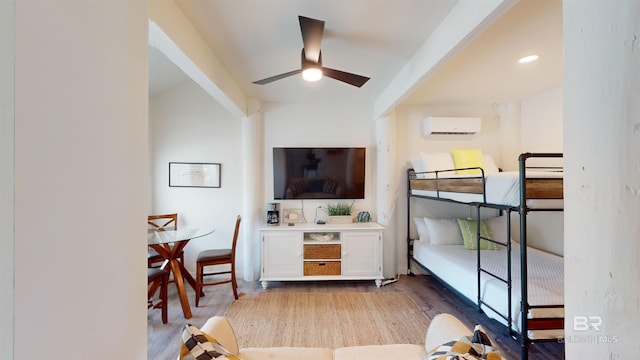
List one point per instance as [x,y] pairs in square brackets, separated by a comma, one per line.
[254,39]
[487,71]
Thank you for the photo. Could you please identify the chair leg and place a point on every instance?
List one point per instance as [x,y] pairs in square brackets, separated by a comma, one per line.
[234,284]
[153,288]
[198,282]
[163,297]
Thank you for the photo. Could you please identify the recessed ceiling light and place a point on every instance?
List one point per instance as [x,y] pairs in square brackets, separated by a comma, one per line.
[528,59]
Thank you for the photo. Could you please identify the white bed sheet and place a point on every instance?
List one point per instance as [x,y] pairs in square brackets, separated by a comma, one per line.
[457,266]
[501,188]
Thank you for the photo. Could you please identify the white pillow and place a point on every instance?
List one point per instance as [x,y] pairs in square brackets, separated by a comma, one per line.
[436,161]
[490,166]
[418,166]
[421,227]
[498,227]
[444,231]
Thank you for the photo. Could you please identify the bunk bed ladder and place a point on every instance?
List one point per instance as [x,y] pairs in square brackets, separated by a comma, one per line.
[480,270]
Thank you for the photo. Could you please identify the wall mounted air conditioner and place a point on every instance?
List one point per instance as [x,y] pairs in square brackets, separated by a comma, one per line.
[451,126]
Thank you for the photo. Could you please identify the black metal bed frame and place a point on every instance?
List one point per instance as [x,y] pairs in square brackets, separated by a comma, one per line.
[526,323]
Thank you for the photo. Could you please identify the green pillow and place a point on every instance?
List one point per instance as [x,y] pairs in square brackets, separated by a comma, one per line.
[469,229]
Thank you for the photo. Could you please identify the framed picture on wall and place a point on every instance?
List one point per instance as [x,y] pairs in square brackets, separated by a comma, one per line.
[182,174]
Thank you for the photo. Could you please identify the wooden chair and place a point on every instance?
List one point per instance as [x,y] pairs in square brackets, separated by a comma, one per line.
[159,223]
[218,257]
[158,279]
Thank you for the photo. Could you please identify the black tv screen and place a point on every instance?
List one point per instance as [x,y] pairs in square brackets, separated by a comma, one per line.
[318,173]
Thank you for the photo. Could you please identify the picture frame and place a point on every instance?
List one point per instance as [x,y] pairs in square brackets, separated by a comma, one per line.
[293,216]
[202,175]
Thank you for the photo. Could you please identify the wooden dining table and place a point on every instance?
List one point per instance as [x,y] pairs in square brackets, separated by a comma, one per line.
[169,244]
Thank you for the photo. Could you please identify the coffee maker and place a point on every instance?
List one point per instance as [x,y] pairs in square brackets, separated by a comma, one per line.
[273,214]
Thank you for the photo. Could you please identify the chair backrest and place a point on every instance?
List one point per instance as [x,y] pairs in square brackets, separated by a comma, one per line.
[235,239]
[163,222]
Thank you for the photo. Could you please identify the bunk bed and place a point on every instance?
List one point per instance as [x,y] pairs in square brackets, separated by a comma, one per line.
[517,285]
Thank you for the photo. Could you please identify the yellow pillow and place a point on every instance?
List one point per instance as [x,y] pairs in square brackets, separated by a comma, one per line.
[466,158]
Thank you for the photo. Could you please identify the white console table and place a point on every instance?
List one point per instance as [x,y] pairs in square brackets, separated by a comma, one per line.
[309,251]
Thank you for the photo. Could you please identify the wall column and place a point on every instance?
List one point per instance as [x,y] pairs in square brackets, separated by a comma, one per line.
[387,187]
[252,172]
[602,178]
[510,137]
[7,18]
[81,156]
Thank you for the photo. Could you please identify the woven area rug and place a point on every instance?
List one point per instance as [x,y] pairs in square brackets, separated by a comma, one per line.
[327,319]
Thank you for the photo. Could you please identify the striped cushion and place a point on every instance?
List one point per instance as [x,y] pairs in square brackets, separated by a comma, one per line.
[200,346]
[477,346]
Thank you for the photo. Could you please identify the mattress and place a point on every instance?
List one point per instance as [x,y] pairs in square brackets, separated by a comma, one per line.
[501,188]
[457,267]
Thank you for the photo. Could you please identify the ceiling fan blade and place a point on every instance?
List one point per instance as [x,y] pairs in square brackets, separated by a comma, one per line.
[312,30]
[277,77]
[349,78]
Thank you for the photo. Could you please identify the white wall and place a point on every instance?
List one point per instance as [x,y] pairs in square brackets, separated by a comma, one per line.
[541,122]
[187,125]
[7,18]
[81,179]
[541,130]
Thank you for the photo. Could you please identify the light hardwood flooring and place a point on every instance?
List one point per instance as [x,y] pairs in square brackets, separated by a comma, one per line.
[433,297]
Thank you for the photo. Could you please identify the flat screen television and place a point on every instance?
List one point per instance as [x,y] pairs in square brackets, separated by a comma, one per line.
[318,173]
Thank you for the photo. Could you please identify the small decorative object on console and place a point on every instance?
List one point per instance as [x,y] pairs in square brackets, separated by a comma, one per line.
[292,216]
[273,214]
[364,216]
[340,209]
[322,215]
[340,213]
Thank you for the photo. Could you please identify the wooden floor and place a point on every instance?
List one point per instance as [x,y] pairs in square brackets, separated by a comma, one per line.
[434,298]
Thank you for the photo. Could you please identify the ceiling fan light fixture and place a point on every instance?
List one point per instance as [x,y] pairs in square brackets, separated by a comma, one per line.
[311,58]
[528,59]
[312,74]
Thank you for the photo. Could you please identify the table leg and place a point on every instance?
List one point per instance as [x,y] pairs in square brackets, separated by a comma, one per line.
[179,271]
[178,248]
[182,293]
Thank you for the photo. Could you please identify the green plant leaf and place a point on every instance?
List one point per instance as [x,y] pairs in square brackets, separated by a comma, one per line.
[340,208]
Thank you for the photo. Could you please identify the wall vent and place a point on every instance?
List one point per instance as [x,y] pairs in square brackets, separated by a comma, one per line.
[451,126]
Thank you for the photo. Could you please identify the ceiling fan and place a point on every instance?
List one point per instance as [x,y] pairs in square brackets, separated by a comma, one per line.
[311,58]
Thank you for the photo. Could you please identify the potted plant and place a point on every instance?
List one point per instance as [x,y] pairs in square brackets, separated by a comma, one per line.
[340,212]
